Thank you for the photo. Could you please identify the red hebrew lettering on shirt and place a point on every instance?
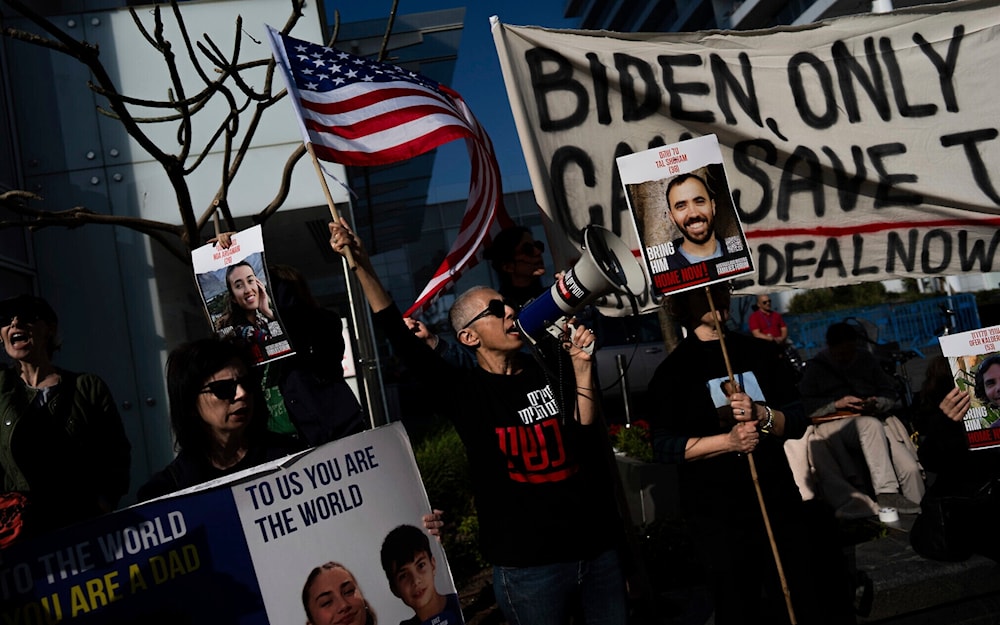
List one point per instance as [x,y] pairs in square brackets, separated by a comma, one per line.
[535,453]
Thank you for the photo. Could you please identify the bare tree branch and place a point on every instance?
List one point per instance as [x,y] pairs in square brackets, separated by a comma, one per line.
[37,219]
[286,184]
[163,104]
[20,35]
[89,56]
[388,30]
[238,158]
[222,75]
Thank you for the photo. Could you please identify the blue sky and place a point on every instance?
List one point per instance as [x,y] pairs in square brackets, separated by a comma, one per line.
[477,77]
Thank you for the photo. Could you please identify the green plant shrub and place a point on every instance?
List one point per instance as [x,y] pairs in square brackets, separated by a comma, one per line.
[634,441]
[444,469]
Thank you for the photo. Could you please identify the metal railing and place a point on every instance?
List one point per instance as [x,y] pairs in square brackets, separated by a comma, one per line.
[913,325]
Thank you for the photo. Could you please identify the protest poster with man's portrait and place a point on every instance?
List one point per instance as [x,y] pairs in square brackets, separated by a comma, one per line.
[974,358]
[689,231]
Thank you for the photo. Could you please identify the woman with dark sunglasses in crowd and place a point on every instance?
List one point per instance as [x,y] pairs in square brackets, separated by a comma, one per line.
[218,415]
[517,259]
[63,447]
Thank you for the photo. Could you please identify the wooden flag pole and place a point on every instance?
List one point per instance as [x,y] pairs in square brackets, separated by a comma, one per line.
[348,255]
[215,222]
[753,469]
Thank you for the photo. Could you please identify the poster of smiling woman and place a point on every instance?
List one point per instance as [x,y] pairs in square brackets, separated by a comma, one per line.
[235,289]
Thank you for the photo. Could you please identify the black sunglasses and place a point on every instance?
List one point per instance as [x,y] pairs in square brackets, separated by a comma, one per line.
[529,248]
[496,308]
[226,389]
[24,314]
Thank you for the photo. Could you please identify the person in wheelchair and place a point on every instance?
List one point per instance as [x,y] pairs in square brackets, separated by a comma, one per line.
[851,401]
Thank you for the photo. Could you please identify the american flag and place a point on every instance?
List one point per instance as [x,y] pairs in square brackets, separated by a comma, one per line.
[357,111]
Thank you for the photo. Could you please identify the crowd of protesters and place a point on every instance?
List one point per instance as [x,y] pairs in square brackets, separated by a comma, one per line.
[764,472]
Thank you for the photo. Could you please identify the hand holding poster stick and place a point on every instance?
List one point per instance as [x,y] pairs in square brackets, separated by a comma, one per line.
[753,468]
[348,255]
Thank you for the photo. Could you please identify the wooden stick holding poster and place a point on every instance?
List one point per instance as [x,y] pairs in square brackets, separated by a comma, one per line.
[974,358]
[689,232]
[234,288]
[716,318]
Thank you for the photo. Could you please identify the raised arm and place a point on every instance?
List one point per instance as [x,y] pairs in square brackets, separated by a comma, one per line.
[341,238]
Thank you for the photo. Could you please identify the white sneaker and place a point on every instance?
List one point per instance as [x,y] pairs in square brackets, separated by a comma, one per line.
[899,502]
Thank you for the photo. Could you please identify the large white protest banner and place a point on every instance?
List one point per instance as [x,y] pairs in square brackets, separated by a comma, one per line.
[862,148]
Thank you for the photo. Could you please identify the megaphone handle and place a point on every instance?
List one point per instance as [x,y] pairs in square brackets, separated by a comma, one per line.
[589,349]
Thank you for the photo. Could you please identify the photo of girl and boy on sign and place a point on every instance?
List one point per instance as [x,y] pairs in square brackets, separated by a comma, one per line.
[234,287]
[337,536]
[974,358]
[332,594]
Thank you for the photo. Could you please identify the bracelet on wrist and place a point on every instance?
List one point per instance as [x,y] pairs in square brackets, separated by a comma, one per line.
[768,424]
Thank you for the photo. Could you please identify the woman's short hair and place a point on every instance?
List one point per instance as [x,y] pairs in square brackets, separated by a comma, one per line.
[188,366]
[984,366]
[938,381]
[840,333]
[465,307]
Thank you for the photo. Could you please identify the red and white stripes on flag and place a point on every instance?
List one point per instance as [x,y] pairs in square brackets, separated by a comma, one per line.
[357,111]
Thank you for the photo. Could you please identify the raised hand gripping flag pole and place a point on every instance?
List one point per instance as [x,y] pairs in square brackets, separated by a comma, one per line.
[355,111]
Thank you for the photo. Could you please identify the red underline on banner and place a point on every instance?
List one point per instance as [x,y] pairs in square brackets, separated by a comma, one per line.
[872,227]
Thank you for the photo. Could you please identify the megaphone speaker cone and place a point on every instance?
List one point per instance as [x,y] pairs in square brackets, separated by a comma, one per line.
[607,265]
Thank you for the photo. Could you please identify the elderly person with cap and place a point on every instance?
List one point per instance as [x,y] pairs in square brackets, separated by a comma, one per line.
[62,442]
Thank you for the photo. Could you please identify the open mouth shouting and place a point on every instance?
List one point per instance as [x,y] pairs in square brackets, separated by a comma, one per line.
[19,339]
